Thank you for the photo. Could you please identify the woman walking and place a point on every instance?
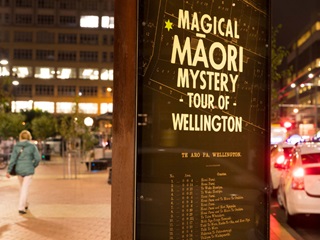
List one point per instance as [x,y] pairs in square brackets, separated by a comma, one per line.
[26,163]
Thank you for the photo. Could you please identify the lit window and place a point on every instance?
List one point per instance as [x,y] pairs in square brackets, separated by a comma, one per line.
[89,108]
[66,73]
[4,71]
[106,107]
[44,72]
[107,22]
[89,73]
[107,74]
[44,106]
[17,106]
[22,72]
[64,107]
[89,21]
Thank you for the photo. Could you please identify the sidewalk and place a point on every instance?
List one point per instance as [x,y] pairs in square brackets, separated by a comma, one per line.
[62,207]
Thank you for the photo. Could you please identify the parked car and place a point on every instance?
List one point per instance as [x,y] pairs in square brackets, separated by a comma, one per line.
[299,188]
[279,153]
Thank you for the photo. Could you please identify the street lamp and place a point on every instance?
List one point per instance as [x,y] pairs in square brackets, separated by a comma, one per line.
[15,83]
[3,63]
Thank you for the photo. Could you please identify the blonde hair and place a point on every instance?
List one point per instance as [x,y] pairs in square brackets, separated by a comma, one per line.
[25,135]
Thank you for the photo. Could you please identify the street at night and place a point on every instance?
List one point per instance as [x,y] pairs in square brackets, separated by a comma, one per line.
[307,228]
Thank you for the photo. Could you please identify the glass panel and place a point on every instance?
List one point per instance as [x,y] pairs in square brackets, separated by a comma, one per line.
[89,21]
[44,72]
[107,22]
[107,74]
[202,132]
[89,73]
[89,108]
[66,73]
[22,72]
[106,107]
[17,106]
[64,107]
[44,106]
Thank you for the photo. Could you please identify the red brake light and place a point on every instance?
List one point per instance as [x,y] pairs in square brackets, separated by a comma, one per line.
[279,162]
[298,179]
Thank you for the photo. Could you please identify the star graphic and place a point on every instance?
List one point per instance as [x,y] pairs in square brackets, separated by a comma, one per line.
[168,25]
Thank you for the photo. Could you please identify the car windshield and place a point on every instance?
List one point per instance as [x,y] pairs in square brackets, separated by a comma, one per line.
[310,158]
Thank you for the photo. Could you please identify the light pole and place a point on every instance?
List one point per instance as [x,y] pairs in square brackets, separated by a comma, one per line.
[88,121]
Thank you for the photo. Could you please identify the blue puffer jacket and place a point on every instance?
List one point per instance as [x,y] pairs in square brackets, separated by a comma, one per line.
[28,160]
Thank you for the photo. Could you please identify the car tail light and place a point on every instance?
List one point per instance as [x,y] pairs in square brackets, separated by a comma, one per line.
[298,179]
[279,162]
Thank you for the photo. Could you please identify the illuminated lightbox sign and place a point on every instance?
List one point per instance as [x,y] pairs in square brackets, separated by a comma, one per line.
[202,132]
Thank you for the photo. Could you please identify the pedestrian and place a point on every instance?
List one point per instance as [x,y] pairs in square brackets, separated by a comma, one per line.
[26,163]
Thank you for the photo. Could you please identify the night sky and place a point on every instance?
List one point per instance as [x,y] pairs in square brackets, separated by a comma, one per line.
[294,15]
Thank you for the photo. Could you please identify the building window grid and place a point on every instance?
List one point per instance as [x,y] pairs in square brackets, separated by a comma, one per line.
[111,56]
[70,21]
[22,54]
[66,91]
[23,19]
[89,5]
[88,56]
[104,57]
[23,90]
[67,4]
[4,36]
[22,36]
[67,56]
[5,3]
[46,55]
[45,37]
[46,4]
[67,38]
[5,18]
[44,90]
[24,3]
[88,91]
[45,19]
[91,39]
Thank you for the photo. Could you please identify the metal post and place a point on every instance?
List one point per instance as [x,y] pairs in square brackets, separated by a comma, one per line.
[316,105]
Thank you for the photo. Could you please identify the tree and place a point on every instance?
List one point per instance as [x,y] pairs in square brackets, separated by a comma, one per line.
[278,53]
[11,124]
[6,89]
[43,127]
[72,128]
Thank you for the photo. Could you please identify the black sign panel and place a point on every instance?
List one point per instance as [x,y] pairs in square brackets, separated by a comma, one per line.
[202,134]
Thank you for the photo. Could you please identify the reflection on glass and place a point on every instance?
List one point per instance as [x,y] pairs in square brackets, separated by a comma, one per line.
[45,106]
[44,72]
[89,73]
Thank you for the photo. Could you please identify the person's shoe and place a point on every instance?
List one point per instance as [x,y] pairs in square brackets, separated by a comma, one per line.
[22,212]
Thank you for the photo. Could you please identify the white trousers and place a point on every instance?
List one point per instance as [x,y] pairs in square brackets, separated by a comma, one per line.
[24,189]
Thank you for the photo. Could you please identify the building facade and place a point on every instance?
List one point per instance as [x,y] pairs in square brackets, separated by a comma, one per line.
[299,97]
[59,52]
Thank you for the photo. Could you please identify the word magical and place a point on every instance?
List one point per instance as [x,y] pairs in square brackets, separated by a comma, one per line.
[202,70]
